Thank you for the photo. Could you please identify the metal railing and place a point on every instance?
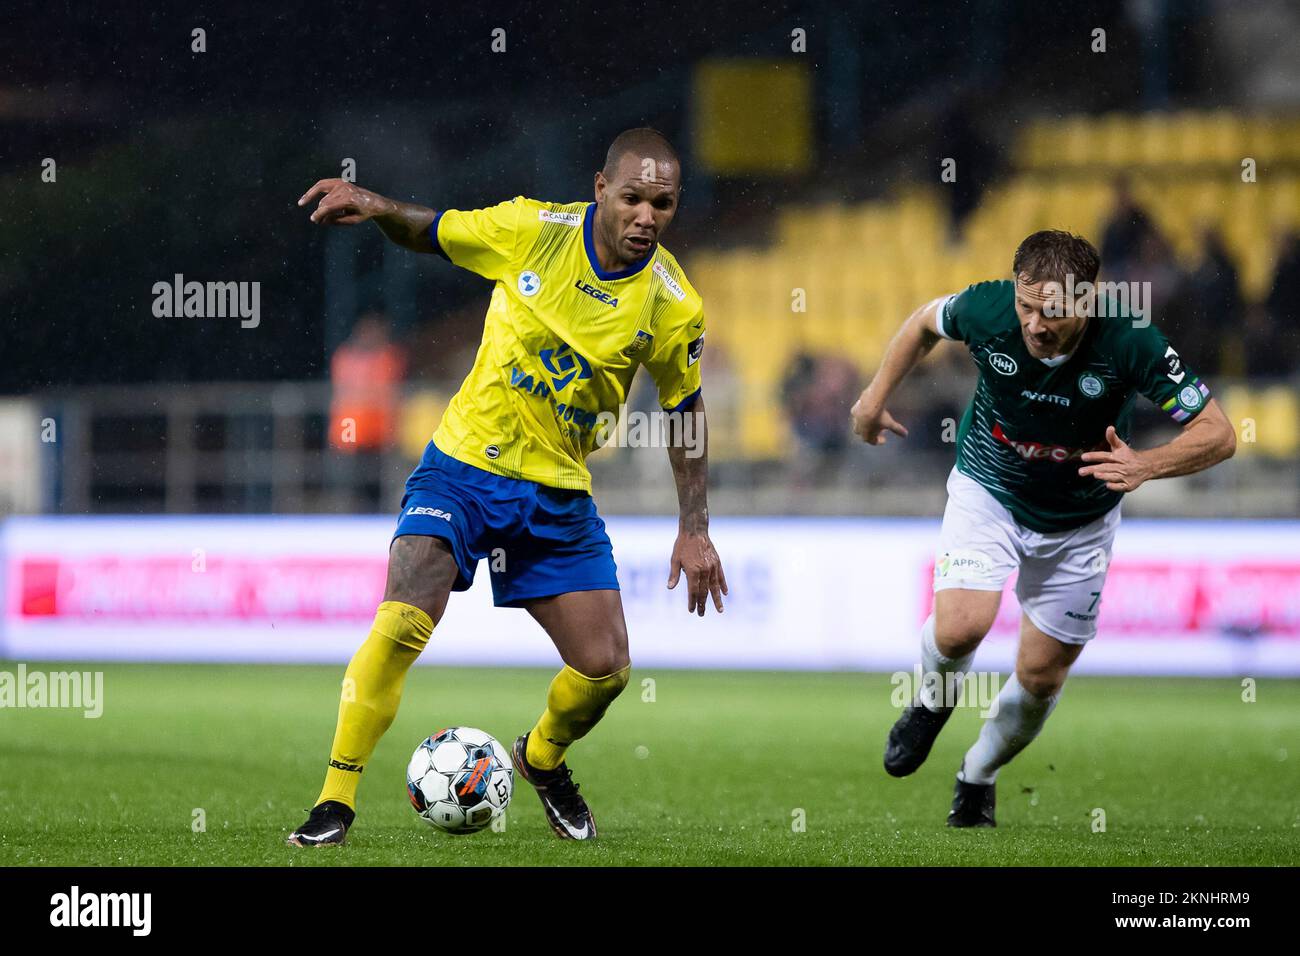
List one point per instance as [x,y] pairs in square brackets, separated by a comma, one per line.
[263,448]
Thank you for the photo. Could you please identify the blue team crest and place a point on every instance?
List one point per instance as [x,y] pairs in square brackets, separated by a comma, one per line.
[639,344]
[565,365]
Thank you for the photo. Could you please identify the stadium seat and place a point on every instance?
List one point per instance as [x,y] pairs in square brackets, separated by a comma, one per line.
[864,267]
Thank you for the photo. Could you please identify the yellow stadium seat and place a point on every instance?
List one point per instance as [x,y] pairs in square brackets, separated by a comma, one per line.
[1157,143]
[1267,419]
[863,268]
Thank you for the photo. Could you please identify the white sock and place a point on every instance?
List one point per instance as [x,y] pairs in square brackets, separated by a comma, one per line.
[1019,718]
[934,663]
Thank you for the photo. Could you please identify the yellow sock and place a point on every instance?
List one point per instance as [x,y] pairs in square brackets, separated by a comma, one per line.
[574,704]
[372,688]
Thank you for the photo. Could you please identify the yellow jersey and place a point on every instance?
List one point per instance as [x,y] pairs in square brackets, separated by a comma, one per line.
[562,339]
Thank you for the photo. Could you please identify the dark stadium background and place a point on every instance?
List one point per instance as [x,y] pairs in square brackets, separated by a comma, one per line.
[182,162]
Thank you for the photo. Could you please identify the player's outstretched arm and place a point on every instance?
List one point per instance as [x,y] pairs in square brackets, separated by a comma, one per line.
[1206,440]
[693,552]
[345,204]
[911,344]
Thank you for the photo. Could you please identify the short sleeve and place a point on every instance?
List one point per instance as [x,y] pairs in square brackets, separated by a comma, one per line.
[1150,364]
[480,240]
[675,365]
[945,322]
[976,312]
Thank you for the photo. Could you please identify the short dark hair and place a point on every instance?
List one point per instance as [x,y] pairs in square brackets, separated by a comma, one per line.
[643,141]
[1052,254]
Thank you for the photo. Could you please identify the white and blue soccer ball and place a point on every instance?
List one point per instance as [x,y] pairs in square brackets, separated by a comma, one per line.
[460,780]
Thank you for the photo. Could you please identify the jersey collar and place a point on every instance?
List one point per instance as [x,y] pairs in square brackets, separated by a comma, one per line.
[1057,360]
[589,244]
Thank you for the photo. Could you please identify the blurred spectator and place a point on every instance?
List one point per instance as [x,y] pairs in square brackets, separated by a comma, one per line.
[1271,335]
[1161,280]
[366,373]
[818,392]
[1210,309]
[960,138]
[1122,236]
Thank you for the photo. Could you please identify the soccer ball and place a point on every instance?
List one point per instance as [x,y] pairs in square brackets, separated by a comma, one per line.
[460,780]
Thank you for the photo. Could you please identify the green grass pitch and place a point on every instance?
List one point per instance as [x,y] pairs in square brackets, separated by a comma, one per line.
[719,769]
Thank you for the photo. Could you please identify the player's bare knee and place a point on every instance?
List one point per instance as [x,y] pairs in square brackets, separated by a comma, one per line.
[961,621]
[421,572]
[607,662]
[1041,681]
[957,642]
[959,634]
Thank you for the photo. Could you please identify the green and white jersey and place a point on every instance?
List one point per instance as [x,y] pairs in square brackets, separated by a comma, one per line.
[1031,419]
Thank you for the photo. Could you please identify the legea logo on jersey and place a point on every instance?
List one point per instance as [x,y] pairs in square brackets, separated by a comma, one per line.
[530,283]
[1003,364]
[565,365]
[595,293]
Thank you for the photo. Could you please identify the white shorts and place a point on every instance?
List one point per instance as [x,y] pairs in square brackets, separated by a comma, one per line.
[1061,573]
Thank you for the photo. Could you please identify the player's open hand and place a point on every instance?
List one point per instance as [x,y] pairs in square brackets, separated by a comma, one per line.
[344,203]
[1121,467]
[694,554]
[870,423]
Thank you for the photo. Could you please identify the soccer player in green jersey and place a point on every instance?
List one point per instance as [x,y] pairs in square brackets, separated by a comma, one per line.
[1043,462]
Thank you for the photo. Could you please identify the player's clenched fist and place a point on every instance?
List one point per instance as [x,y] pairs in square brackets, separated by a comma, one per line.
[870,422]
[344,203]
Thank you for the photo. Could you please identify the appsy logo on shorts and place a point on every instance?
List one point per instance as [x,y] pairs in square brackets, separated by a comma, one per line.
[962,564]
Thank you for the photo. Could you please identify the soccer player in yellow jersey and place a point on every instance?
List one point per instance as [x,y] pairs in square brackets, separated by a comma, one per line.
[583,294]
